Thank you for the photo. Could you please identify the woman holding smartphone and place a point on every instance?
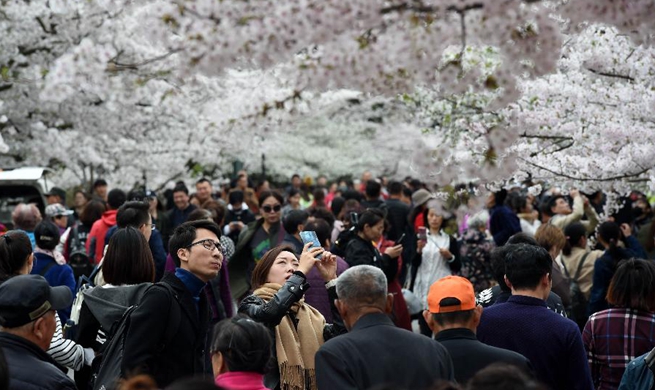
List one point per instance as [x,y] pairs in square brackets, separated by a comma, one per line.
[361,248]
[279,281]
[437,256]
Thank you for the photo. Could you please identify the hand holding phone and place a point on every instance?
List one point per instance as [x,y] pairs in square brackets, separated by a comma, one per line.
[422,233]
[400,240]
[311,237]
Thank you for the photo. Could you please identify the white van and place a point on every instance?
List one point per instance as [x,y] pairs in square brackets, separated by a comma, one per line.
[23,185]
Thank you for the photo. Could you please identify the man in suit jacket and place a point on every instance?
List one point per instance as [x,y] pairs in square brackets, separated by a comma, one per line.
[454,317]
[195,244]
[375,352]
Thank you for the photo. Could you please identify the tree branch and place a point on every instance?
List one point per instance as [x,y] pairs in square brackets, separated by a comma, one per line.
[554,137]
[117,66]
[614,75]
[584,179]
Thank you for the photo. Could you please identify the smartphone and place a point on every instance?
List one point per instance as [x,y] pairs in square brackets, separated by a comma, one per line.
[422,233]
[310,236]
[400,240]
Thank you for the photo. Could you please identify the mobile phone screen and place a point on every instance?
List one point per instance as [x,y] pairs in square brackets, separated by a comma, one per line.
[310,236]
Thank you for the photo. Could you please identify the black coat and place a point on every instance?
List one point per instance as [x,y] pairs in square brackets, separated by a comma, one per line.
[360,251]
[30,367]
[398,217]
[147,352]
[272,312]
[470,355]
[376,352]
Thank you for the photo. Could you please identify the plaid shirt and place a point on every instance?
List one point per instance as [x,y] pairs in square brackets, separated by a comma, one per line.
[614,337]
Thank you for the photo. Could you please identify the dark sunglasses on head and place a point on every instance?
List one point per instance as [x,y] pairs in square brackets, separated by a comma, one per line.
[269,209]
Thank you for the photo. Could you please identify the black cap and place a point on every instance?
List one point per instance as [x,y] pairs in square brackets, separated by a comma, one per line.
[25,298]
[46,235]
[56,191]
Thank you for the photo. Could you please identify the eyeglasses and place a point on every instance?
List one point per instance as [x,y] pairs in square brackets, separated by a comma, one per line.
[272,209]
[152,225]
[209,244]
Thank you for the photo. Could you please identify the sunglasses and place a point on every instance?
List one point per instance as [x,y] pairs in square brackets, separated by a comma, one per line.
[272,209]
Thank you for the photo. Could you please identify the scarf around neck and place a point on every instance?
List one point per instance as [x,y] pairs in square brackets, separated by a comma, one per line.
[296,347]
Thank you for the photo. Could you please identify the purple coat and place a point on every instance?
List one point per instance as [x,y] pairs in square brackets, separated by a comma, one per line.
[317,295]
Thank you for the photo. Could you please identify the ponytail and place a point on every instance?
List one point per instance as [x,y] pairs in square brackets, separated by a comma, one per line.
[573,232]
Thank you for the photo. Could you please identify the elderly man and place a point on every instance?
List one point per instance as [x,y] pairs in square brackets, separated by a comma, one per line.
[27,312]
[375,352]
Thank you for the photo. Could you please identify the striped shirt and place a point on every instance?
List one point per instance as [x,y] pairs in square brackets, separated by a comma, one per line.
[613,338]
[64,351]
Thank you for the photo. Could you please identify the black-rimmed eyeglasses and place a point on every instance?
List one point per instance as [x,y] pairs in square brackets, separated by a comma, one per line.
[208,244]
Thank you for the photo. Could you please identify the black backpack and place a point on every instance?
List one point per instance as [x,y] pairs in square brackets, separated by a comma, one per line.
[578,309]
[106,366]
[78,259]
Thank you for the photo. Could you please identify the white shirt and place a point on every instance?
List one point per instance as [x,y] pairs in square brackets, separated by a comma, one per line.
[433,266]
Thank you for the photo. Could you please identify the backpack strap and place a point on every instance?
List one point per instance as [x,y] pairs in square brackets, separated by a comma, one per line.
[76,236]
[175,314]
[47,268]
[577,272]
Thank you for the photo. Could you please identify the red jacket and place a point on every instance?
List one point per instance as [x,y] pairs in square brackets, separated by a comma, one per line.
[98,233]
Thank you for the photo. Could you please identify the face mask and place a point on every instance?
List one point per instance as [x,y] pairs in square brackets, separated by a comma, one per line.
[637,212]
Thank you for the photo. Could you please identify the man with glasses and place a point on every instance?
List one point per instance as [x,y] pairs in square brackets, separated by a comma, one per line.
[27,316]
[196,247]
[136,214]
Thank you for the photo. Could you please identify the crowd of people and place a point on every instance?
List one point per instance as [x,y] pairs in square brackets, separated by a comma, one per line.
[399,290]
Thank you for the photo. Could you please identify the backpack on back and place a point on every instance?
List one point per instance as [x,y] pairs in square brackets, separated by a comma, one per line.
[107,366]
[578,309]
[79,260]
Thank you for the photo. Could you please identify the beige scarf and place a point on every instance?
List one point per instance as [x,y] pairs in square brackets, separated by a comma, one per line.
[296,348]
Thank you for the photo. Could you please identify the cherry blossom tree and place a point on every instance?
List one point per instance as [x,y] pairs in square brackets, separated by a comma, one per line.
[149,88]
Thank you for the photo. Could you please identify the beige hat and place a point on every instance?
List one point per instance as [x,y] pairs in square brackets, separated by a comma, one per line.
[420,197]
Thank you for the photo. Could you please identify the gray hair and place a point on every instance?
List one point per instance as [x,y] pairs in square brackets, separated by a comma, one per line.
[362,285]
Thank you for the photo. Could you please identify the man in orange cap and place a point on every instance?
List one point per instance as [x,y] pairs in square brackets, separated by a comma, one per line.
[454,317]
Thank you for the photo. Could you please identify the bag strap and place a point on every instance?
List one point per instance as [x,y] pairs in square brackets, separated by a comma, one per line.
[175,314]
[577,272]
[76,236]
[47,268]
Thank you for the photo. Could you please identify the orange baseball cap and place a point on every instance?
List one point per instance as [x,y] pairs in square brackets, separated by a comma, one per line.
[455,287]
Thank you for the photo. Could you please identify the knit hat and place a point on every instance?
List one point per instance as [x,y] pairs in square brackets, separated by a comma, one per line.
[455,289]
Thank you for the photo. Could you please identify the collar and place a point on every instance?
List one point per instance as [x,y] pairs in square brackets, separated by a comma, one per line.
[20,342]
[372,319]
[456,333]
[525,300]
[191,281]
[240,380]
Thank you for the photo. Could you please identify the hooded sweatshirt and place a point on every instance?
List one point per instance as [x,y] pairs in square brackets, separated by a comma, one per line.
[102,307]
[95,243]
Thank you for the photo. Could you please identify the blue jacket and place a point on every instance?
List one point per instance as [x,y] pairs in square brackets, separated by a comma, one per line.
[604,269]
[637,376]
[57,275]
[503,224]
[552,343]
